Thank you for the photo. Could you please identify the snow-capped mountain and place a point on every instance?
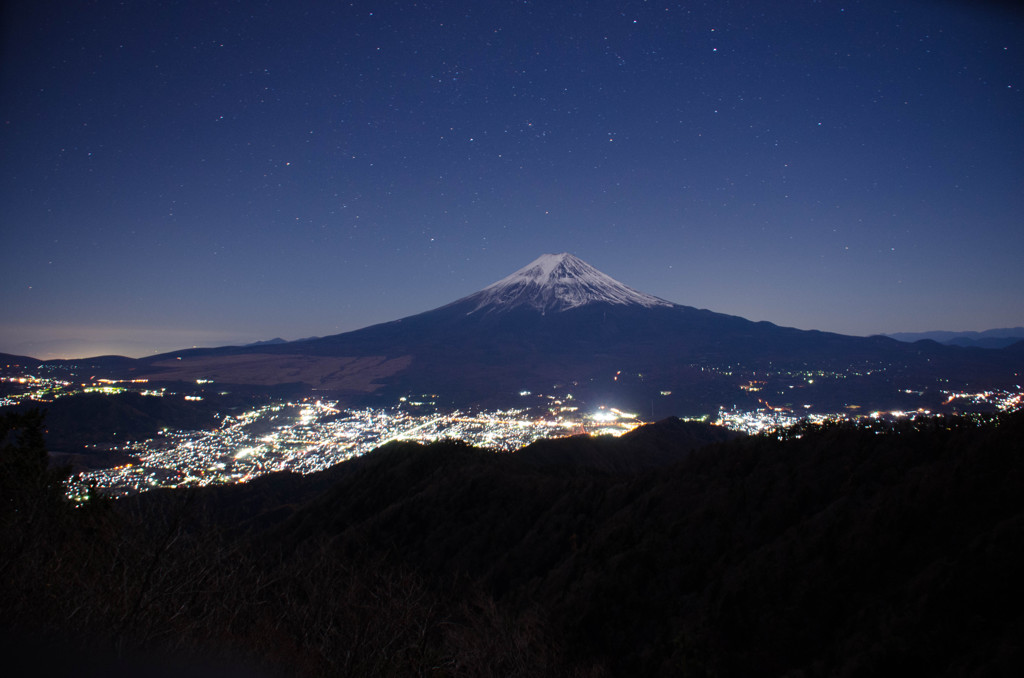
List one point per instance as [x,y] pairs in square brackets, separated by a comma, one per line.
[556,282]
[558,326]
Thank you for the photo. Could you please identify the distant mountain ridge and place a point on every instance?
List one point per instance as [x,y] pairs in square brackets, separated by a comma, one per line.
[268,342]
[994,338]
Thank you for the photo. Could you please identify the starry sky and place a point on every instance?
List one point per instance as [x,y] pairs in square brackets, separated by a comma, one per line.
[220,172]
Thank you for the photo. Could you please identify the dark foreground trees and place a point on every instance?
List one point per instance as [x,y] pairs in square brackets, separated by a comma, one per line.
[836,551]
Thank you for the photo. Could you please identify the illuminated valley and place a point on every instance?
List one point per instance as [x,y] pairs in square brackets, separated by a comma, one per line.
[305,437]
[309,434]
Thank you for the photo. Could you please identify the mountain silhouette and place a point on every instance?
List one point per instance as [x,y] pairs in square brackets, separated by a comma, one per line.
[560,326]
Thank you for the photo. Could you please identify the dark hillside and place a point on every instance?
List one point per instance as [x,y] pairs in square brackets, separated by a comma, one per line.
[644,448]
[843,547]
[844,550]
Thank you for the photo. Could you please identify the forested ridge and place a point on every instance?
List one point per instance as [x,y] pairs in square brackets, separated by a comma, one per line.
[676,551]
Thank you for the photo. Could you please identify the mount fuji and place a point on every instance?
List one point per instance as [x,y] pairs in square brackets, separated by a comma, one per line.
[559,326]
[556,282]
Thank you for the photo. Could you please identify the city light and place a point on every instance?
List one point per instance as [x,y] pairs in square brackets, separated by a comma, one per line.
[310,435]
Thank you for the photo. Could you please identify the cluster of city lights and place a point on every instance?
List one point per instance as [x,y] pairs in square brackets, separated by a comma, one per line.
[311,435]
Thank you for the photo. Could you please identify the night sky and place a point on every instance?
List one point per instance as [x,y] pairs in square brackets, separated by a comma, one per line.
[209,173]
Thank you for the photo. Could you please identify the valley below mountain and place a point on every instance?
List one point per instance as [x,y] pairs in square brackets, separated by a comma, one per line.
[553,349]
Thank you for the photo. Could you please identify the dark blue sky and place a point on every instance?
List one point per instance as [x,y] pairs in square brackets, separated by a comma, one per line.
[222,172]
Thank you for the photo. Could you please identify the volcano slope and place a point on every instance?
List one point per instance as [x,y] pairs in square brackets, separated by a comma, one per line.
[558,326]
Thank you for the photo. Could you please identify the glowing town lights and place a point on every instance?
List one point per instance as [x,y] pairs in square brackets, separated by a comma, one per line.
[307,438]
[244,452]
[312,435]
[616,430]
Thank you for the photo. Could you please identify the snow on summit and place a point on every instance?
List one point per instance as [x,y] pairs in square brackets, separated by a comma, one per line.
[558,282]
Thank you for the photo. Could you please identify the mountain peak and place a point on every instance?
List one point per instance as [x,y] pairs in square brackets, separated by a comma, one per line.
[557,282]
